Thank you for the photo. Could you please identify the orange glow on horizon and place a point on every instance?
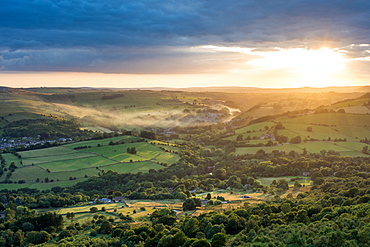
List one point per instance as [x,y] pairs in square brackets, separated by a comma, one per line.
[315,66]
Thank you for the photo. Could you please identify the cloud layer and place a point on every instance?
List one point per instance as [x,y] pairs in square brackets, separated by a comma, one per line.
[147,36]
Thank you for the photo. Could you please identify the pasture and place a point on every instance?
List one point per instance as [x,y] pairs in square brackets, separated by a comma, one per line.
[65,165]
[325,129]
[132,208]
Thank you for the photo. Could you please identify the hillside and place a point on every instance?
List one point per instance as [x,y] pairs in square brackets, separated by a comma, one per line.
[72,163]
[341,128]
[106,167]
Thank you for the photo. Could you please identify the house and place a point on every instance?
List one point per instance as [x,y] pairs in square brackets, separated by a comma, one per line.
[119,199]
[103,200]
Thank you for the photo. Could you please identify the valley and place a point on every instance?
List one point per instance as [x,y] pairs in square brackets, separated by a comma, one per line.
[152,167]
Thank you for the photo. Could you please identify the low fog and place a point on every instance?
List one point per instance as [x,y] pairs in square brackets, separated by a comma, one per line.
[122,118]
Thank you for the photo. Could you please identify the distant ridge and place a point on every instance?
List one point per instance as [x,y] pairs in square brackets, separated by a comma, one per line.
[230,89]
[240,89]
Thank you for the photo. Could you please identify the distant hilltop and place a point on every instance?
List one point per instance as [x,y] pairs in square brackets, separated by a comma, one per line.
[230,89]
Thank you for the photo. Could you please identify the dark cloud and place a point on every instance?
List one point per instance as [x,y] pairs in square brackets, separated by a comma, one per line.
[116,35]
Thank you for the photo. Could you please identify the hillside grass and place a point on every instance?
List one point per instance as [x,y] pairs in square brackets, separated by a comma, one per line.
[52,151]
[351,127]
[343,148]
[76,164]
[63,165]
[337,119]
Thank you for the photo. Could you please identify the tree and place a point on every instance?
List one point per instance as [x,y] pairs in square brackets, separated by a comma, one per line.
[106,227]
[27,226]
[189,204]
[285,207]
[94,209]
[296,140]
[163,216]
[364,235]
[201,243]
[220,173]
[209,196]
[70,215]
[18,238]
[239,138]
[301,216]
[34,237]
[318,181]
[365,150]
[171,240]
[282,184]
[295,240]
[148,134]
[190,227]
[341,111]
[235,224]
[316,175]
[219,240]
[297,184]
[279,126]
[131,150]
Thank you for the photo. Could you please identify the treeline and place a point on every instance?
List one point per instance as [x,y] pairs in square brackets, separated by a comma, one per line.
[45,129]
[113,96]
[332,213]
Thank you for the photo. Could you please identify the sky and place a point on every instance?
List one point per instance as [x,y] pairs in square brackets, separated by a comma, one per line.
[184,43]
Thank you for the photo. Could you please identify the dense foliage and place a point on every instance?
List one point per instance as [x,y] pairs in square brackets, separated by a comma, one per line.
[49,129]
[333,213]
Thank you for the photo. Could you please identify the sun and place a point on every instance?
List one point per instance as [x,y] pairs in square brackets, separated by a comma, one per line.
[314,67]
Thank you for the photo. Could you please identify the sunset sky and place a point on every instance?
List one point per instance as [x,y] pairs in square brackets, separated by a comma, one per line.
[168,43]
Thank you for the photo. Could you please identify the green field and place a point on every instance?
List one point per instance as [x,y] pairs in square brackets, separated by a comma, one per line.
[268,181]
[140,166]
[54,158]
[351,127]
[337,119]
[252,150]
[53,151]
[76,164]
[64,166]
[344,148]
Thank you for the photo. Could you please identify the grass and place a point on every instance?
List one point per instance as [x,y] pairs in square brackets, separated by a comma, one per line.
[31,173]
[53,151]
[344,148]
[83,213]
[316,147]
[268,181]
[55,158]
[97,129]
[254,127]
[76,164]
[357,109]
[355,131]
[256,134]
[41,186]
[102,142]
[338,119]
[318,132]
[142,166]
[66,166]
[169,158]
[351,127]
[9,158]
[253,150]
